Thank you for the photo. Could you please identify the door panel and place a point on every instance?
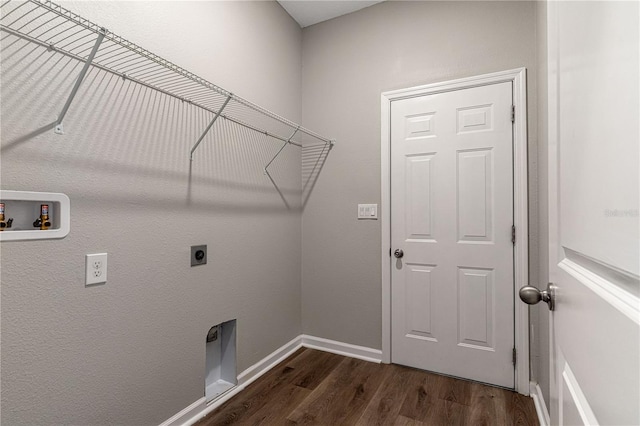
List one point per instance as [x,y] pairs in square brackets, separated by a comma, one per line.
[451,214]
[594,237]
[475,302]
[418,202]
[475,218]
[419,290]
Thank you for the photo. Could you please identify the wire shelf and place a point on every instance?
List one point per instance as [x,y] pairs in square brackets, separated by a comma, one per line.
[58,29]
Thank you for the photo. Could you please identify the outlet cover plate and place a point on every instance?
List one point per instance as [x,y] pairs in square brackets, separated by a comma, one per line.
[95,268]
[199,255]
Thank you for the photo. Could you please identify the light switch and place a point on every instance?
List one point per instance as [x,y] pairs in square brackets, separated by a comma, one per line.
[368,211]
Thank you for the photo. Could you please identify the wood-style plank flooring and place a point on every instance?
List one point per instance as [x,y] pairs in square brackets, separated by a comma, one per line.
[319,388]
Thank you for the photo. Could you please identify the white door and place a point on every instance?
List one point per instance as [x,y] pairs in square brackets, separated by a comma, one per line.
[594,240]
[451,215]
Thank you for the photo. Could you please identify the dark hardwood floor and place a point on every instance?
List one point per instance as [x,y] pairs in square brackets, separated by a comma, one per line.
[318,388]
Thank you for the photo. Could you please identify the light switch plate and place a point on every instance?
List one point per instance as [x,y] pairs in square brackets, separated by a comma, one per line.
[368,211]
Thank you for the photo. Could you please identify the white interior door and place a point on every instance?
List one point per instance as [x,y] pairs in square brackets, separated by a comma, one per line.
[594,240]
[451,215]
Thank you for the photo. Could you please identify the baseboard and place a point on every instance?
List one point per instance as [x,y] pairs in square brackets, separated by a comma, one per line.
[267,363]
[541,407]
[200,408]
[186,413]
[340,348]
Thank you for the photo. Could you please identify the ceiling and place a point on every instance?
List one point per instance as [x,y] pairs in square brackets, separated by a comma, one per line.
[309,12]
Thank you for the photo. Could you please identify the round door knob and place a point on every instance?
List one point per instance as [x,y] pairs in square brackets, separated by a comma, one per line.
[398,253]
[531,295]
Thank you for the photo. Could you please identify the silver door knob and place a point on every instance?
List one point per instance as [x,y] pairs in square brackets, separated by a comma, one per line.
[398,253]
[531,295]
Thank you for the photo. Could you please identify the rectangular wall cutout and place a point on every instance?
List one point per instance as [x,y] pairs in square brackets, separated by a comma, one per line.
[23,208]
[220,373]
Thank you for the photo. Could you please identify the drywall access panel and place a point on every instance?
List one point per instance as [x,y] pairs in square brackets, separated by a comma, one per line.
[220,373]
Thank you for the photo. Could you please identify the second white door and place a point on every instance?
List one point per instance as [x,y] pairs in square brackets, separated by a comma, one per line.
[451,218]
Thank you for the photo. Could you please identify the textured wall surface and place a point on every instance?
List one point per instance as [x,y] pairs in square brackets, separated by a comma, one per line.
[132,351]
[347,63]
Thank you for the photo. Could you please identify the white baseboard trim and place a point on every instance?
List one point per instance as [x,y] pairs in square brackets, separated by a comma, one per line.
[340,348]
[541,407]
[200,408]
[267,363]
[186,413]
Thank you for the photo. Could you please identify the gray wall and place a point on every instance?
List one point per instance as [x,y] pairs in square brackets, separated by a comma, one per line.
[540,361]
[347,63]
[132,351]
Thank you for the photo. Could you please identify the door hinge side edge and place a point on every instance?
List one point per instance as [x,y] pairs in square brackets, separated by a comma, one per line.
[513,235]
[513,113]
[515,356]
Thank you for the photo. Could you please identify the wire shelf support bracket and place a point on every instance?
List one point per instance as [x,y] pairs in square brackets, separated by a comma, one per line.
[215,117]
[59,128]
[287,142]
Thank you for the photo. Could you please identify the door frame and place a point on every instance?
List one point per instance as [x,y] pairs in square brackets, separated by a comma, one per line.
[520,204]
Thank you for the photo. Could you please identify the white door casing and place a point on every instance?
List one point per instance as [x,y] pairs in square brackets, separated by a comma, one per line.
[594,241]
[517,78]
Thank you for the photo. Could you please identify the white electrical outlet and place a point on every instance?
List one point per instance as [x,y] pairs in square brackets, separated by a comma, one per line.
[96,268]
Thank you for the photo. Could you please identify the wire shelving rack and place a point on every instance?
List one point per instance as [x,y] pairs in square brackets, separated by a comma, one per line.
[58,29]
